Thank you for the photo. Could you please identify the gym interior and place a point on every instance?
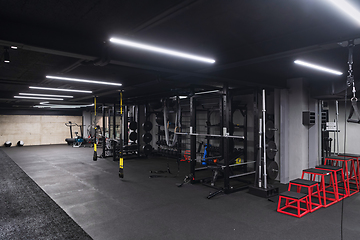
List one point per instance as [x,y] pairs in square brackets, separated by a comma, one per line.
[179,119]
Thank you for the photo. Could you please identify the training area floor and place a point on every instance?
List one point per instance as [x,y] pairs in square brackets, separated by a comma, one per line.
[139,207]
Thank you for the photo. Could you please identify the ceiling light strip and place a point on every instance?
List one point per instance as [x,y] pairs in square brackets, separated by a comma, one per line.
[317,67]
[160,50]
[206,92]
[347,8]
[63,106]
[41,98]
[61,89]
[45,95]
[83,80]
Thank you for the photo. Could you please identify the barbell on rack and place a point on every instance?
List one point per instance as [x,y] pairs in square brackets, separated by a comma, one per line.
[210,135]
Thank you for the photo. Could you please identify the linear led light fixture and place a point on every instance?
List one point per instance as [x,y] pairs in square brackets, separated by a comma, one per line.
[206,92]
[83,80]
[310,65]
[40,98]
[61,89]
[63,106]
[160,50]
[45,95]
[347,8]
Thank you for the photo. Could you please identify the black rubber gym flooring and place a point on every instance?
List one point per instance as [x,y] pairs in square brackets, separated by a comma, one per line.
[139,207]
[26,212]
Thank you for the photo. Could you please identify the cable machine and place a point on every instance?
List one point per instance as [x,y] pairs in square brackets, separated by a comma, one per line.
[351,83]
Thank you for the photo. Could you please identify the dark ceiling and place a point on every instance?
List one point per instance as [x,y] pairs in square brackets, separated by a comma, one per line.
[253,42]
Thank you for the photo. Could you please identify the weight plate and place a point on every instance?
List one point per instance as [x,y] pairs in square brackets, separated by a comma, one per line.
[147,149]
[133,125]
[271,150]
[147,137]
[147,126]
[133,136]
[269,129]
[272,170]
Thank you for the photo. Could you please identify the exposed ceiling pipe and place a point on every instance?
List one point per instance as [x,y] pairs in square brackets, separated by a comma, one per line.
[164,16]
[48,51]
[105,58]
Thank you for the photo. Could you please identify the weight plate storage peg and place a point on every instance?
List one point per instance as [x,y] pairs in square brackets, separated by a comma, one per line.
[272,169]
[269,129]
[147,126]
[133,125]
[147,137]
[133,136]
[271,150]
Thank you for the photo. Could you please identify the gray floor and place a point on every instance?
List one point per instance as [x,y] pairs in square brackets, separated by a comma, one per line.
[138,207]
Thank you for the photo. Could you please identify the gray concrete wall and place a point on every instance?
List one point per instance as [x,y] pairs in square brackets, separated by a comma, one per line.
[36,129]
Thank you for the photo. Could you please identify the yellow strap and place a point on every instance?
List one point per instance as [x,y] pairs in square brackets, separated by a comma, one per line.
[121,104]
[121,163]
[95,105]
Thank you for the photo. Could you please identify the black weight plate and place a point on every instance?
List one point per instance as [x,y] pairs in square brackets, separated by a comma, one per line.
[133,125]
[147,137]
[133,136]
[271,150]
[147,149]
[272,170]
[147,126]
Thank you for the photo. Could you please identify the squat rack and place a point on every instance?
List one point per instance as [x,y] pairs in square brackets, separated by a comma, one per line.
[225,135]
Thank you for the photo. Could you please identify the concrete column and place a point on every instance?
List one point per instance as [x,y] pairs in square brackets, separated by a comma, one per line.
[298,133]
[284,136]
[86,116]
[314,135]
